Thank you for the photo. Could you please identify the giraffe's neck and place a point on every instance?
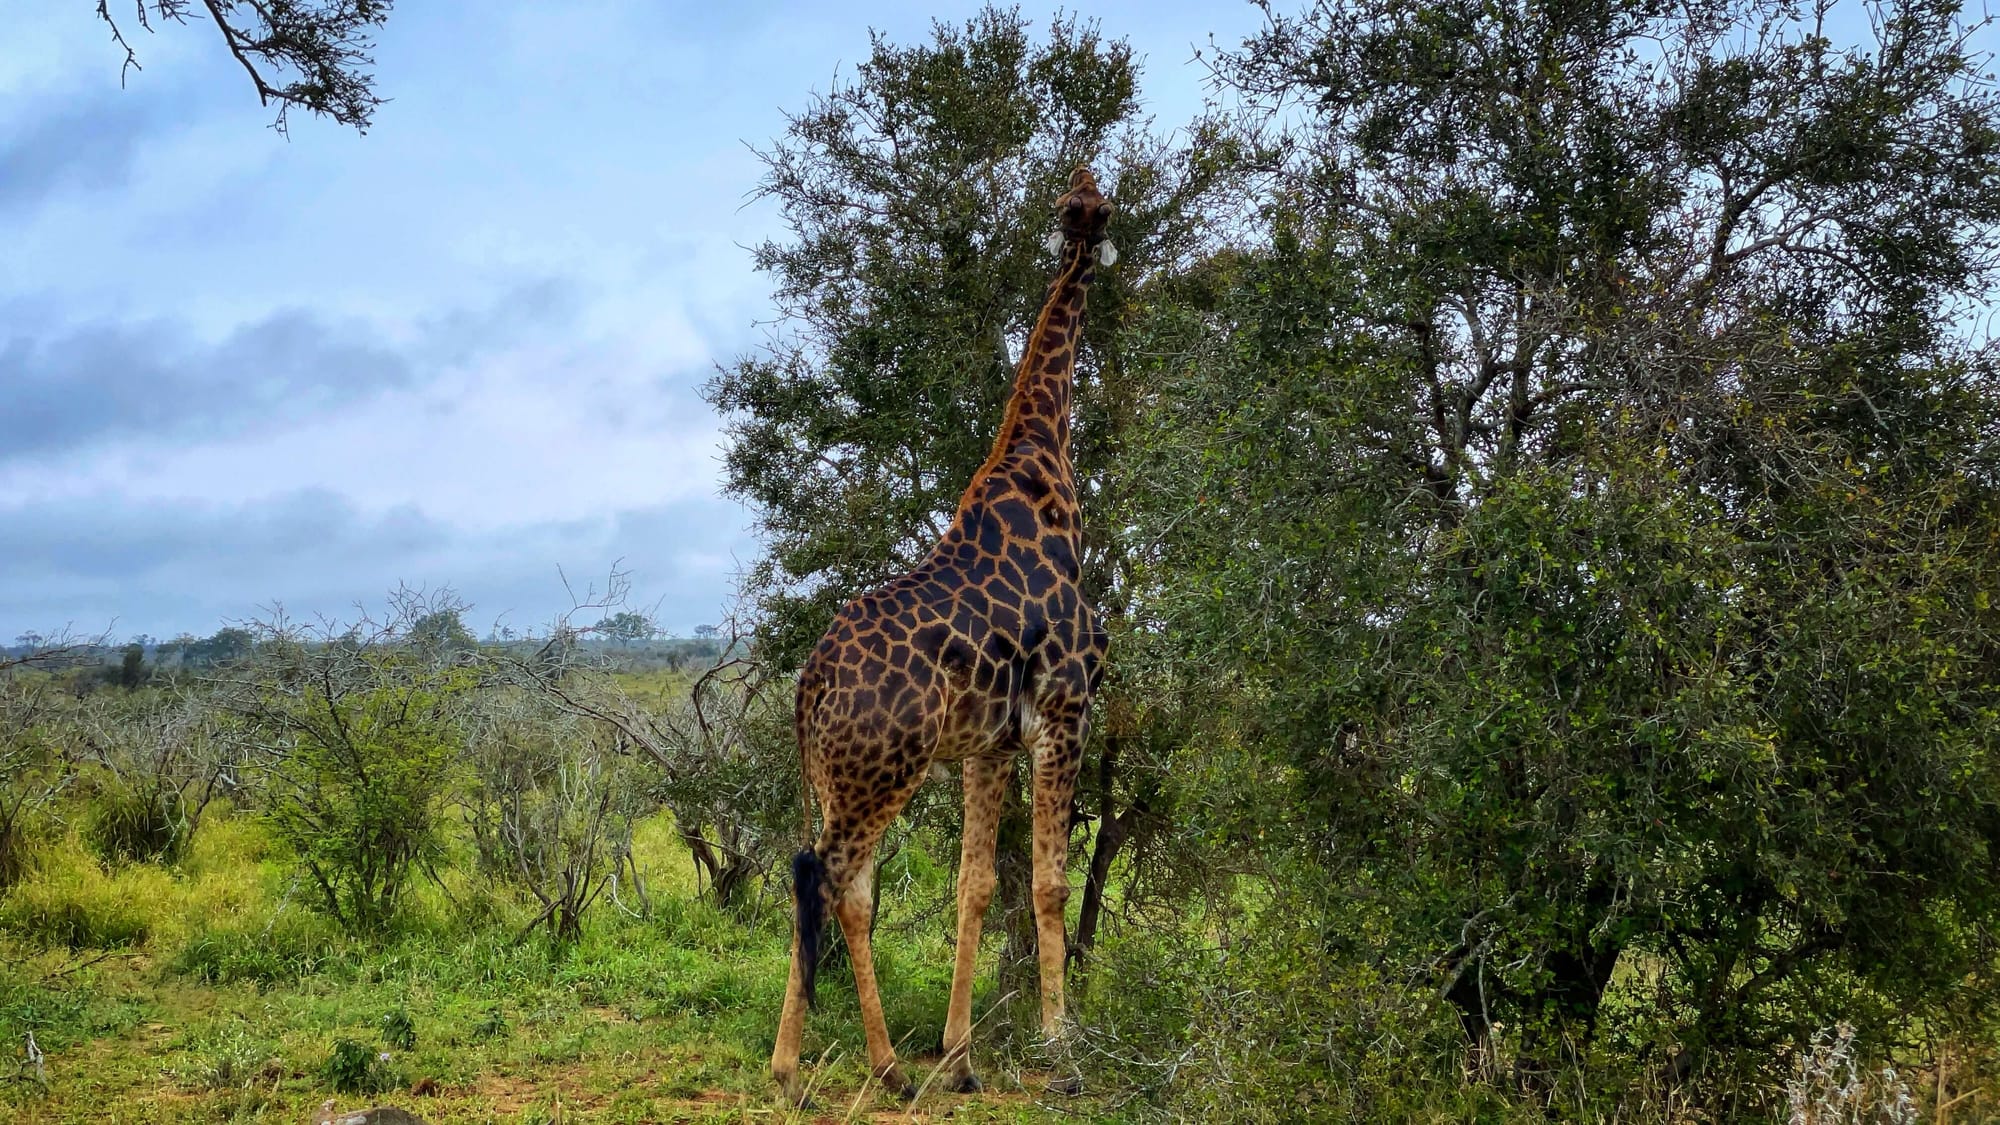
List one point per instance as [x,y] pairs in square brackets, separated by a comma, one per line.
[1038,410]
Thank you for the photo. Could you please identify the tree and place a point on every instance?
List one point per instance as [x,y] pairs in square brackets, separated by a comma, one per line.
[1589,482]
[163,761]
[440,631]
[306,54]
[226,646]
[553,807]
[132,666]
[626,627]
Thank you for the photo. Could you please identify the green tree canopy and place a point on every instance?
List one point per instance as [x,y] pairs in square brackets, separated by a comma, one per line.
[1594,475]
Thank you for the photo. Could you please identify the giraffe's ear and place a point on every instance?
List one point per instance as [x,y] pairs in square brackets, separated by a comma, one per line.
[1107,254]
[1055,242]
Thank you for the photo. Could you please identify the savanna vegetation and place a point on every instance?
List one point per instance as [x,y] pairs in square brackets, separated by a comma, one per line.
[1541,467]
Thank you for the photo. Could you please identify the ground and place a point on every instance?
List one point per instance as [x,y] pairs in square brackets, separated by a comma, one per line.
[211,992]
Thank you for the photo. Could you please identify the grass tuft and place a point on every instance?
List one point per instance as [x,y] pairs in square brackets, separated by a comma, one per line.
[69,901]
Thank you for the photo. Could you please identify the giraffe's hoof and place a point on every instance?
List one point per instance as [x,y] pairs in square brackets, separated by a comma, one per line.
[893,1081]
[1068,1086]
[967,1083]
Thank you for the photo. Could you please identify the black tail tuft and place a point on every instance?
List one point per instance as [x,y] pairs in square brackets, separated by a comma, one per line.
[809,895]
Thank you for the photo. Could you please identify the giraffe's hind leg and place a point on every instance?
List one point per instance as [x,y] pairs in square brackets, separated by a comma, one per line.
[846,855]
[854,906]
[859,807]
[808,917]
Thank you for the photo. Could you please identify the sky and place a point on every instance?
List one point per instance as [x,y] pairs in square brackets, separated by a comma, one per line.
[240,372]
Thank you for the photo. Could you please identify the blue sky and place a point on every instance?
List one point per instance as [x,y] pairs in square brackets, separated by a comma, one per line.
[462,350]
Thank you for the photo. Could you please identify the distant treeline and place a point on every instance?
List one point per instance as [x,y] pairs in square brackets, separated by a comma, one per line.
[143,657]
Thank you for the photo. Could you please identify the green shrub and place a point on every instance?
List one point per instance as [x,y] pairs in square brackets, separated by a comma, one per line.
[398,1030]
[122,825]
[228,1059]
[358,747]
[355,1068]
[1267,1016]
[356,797]
[69,900]
[290,945]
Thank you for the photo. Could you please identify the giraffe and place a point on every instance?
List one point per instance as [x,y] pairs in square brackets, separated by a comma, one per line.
[986,649]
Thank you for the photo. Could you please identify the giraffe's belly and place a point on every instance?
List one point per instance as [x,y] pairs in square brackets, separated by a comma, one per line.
[976,726]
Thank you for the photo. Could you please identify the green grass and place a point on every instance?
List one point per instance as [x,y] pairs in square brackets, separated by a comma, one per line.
[212,991]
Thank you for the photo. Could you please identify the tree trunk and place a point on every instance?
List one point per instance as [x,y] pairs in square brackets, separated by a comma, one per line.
[1015,871]
[705,863]
[1112,834]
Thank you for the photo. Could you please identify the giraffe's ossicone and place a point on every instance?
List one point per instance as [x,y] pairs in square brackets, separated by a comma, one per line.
[985,650]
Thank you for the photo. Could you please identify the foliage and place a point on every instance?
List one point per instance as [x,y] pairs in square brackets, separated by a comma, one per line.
[309,54]
[553,806]
[132,666]
[626,626]
[440,634]
[356,1068]
[718,747]
[32,772]
[1551,544]
[916,199]
[1589,492]
[160,761]
[225,646]
[359,739]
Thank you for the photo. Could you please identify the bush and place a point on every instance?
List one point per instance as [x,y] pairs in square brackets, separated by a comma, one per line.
[1261,1015]
[229,1059]
[158,764]
[399,1031]
[360,744]
[553,807]
[290,945]
[355,1068]
[122,825]
[69,900]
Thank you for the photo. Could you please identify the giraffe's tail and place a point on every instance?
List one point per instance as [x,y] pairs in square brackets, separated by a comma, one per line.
[809,898]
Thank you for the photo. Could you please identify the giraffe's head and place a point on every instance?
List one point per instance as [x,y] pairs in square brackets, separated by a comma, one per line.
[1082,214]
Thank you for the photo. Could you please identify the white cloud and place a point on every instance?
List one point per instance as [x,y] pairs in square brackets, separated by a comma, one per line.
[531,423]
